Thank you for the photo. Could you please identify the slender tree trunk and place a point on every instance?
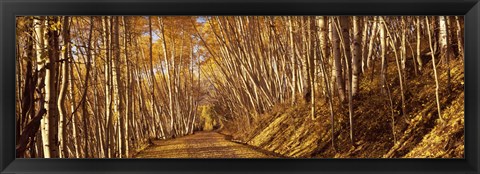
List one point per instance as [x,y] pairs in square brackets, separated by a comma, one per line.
[337,67]
[152,74]
[403,50]
[434,68]
[109,145]
[322,23]
[73,115]
[120,87]
[345,25]
[128,88]
[61,99]
[51,78]
[373,36]
[459,36]
[364,45]
[171,81]
[400,76]
[442,37]
[357,55]
[443,42]
[419,38]
[39,23]
[85,113]
[293,60]
[385,86]
[312,56]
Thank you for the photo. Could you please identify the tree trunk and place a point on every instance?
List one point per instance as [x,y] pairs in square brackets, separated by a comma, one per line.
[443,43]
[39,23]
[128,88]
[152,75]
[357,55]
[434,68]
[312,56]
[337,67]
[64,84]
[373,35]
[345,25]
[293,60]
[73,118]
[419,38]
[85,113]
[51,82]
[459,36]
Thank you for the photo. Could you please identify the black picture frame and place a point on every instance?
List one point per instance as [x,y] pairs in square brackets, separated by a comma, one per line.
[11,8]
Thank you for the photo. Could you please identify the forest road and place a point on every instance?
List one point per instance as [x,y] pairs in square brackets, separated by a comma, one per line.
[200,145]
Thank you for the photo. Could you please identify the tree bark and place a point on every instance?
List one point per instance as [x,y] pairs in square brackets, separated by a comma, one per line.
[419,38]
[434,68]
[337,67]
[64,85]
[357,55]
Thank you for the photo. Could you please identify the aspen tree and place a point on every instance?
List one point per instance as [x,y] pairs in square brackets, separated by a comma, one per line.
[357,55]
[312,56]
[443,44]
[434,68]
[419,38]
[322,23]
[61,97]
[373,36]
[329,96]
[72,108]
[128,99]
[337,67]
[40,44]
[459,35]
[345,39]
[403,40]
[400,78]
[364,45]
[152,75]
[293,59]
[385,85]
[442,37]
[51,79]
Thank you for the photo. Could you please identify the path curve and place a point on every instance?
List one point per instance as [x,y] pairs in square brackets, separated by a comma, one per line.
[200,145]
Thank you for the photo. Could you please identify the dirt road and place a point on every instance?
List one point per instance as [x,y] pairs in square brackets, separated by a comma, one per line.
[200,145]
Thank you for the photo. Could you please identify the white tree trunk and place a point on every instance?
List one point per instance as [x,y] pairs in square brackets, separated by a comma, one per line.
[357,55]
[63,88]
[39,23]
[434,68]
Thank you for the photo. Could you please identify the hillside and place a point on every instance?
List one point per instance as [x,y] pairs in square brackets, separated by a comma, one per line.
[290,132]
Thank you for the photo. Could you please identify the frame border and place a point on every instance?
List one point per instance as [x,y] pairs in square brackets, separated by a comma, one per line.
[11,8]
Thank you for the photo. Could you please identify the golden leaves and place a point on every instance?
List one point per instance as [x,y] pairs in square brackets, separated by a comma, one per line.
[55,25]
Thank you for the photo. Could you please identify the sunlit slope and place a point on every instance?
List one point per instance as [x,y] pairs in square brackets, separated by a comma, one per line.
[290,132]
